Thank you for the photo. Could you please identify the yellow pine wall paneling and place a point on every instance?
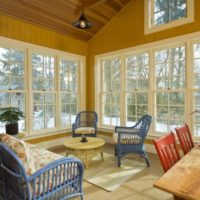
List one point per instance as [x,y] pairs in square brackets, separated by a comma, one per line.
[23,31]
[127,30]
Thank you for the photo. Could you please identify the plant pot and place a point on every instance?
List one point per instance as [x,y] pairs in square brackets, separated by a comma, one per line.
[12,129]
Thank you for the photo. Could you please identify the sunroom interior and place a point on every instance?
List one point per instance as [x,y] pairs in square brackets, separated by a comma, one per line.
[137,58]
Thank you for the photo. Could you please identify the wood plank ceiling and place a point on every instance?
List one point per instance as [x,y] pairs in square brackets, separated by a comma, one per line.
[59,15]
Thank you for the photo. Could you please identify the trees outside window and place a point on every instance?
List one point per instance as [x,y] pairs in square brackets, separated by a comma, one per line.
[137,84]
[196,89]
[69,87]
[44,94]
[43,83]
[161,78]
[170,85]
[111,86]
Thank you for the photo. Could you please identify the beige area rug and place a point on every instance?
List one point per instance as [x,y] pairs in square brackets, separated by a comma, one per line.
[106,175]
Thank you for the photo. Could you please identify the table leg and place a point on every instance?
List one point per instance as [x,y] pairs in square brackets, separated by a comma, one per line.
[101,155]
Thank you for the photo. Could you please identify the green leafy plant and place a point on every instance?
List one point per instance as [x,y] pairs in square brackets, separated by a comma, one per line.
[11,115]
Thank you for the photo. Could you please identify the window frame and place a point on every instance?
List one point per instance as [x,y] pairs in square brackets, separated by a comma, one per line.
[29,48]
[168,90]
[186,40]
[149,27]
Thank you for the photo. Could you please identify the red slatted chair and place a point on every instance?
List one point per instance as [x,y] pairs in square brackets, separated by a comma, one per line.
[167,151]
[185,138]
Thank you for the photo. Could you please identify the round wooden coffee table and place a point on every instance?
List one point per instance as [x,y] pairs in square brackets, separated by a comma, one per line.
[84,150]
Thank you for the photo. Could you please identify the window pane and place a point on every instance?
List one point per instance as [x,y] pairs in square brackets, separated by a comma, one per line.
[69,87]
[44,115]
[137,81]
[111,74]
[43,72]
[137,71]
[111,86]
[166,11]
[68,75]
[11,69]
[14,99]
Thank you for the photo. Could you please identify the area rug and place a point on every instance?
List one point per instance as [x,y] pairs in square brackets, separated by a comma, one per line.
[106,175]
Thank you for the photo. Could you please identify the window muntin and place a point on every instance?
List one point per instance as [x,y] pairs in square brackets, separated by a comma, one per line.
[111,86]
[170,84]
[69,87]
[12,87]
[137,84]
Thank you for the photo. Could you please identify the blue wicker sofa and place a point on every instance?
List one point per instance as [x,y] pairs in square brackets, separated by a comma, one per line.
[30,172]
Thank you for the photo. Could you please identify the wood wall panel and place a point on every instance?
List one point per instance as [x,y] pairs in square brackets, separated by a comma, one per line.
[19,30]
[127,30]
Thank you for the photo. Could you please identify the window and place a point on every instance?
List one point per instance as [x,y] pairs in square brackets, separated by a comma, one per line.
[163,14]
[45,84]
[160,78]
[12,87]
[137,84]
[110,98]
[69,87]
[170,85]
[196,89]
[119,104]
[44,94]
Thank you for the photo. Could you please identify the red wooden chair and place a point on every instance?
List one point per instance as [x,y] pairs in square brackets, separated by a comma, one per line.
[167,150]
[185,138]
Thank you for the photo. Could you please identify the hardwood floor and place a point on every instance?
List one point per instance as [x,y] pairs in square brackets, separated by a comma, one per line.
[139,187]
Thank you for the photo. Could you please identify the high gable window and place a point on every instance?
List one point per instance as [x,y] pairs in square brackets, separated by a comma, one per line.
[164,14]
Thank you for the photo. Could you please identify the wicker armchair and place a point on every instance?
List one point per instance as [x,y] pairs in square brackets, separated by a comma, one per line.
[131,139]
[85,124]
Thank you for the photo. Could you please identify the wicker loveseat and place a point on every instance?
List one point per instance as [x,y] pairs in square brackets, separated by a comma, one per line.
[30,172]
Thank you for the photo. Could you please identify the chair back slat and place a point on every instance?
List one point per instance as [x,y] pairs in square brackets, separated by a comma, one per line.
[85,119]
[167,150]
[185,138]
[143,125]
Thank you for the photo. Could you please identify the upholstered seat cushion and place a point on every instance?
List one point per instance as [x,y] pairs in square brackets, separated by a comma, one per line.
[127,138]
[41,156]
[85,130]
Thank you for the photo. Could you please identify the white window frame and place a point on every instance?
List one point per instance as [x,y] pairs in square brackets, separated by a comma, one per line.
[151,28]
[79,87]
[193,89]
[188,40]
[30,48]
[169,90]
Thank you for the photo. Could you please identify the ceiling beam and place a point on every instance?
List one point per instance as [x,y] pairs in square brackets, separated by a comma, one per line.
[91,3]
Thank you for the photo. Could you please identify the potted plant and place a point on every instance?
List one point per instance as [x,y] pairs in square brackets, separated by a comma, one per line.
[11,116]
